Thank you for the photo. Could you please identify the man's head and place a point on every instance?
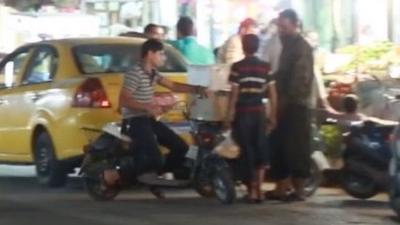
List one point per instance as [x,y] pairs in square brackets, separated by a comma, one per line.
[250,43]
[185,27]
[154,31]
[248,26]
[350,103]
[288,22]
[152,52]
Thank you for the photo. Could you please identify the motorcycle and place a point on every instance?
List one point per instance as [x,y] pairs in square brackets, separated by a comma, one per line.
[366,158]
[209,173]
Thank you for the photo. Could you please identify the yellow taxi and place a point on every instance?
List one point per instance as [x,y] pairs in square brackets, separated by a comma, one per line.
[50,90]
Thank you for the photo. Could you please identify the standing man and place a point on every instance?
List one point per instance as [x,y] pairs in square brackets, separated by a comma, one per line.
[232,50]
[188,45]
[291,161]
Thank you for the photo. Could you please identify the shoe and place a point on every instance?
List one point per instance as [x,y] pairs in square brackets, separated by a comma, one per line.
[249,200]
[272,195]
[293,197]
[153,179]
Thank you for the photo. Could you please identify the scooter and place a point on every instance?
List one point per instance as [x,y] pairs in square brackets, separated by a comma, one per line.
[366,158]
[394,167]
[209,173]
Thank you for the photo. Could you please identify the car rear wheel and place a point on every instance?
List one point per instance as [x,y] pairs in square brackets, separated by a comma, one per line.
[50,171]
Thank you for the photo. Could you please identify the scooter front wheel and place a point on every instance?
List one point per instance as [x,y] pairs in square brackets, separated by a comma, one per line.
[98,191]
[95,185]
[314,181]
[224,186]
[205,190]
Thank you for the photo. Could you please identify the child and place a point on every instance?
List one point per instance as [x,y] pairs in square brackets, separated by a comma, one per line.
[351,114]
[249,79]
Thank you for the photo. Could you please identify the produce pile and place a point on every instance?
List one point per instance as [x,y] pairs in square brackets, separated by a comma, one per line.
[372,59]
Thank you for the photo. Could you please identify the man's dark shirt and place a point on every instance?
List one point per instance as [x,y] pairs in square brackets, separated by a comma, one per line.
[295,75]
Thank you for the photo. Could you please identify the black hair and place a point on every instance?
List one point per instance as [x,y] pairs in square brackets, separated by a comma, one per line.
[291,15]
[150,27]
[250,43]
[185,26]
[350,103]
[152,45]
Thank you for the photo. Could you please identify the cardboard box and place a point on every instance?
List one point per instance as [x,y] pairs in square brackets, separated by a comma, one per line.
[215,77]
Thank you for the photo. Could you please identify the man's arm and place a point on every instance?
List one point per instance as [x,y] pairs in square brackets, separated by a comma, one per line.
[232,102]
[233,79]
[179,87]
[273,98]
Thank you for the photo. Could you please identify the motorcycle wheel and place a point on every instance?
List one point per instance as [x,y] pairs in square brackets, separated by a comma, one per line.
[358,186]
[224,187]
[314,181]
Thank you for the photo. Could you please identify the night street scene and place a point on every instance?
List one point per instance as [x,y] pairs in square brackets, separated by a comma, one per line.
[158,112]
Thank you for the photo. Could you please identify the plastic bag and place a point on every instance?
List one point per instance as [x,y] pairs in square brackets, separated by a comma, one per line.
[228,148]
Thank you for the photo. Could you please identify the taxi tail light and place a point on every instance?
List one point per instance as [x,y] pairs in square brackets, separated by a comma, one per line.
[91,94]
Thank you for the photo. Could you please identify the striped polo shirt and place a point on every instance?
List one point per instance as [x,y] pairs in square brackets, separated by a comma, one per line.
[251,75]
[141,85]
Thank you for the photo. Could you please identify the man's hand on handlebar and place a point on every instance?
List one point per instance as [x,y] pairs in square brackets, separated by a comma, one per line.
[201,91]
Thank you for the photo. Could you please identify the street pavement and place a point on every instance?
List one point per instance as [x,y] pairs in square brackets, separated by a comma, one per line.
[23,202]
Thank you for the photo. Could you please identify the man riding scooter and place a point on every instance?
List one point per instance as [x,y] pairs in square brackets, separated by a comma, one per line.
[140,124]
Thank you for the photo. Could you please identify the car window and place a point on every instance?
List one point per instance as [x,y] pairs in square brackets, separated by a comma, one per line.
[12,68]
[42,67]
[118,59]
